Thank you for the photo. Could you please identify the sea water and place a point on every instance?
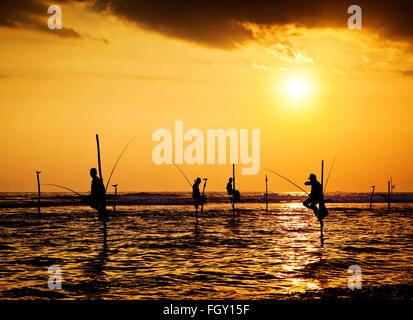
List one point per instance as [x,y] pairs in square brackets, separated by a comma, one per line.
[157,251]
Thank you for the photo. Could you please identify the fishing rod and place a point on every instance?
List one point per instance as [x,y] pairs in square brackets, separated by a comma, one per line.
[328,177]
[114,167]
[286,180]
[183,174]
[63,187]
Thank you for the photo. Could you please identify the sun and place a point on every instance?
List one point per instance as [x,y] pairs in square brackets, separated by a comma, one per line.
[298,88]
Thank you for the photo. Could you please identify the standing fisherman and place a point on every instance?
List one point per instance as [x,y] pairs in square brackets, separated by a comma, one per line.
[97,194]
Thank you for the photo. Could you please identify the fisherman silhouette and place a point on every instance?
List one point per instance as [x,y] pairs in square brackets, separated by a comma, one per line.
[97,194]
[196,194]
[231,192]
[316,194]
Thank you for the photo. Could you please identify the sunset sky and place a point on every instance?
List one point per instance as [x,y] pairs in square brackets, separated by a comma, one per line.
[124,69]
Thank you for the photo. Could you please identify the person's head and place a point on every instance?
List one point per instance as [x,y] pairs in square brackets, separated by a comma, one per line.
[230,180]
[312,177]
[93,172]
[198,180]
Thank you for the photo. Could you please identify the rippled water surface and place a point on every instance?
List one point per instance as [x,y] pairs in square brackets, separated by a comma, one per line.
[157,252]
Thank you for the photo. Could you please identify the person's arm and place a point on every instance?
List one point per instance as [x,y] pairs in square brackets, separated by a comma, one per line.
[307,183]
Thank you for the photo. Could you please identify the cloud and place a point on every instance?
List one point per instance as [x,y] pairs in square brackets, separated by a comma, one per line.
[103,40]
[32,15]
[221,24]
[291,55]
[365,59]
[407,73]
[259,66]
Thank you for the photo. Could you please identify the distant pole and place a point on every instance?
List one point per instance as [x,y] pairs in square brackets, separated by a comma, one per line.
[38,191]
[116,193]
[233,189]
[388,194]
[371,196]
[266,193]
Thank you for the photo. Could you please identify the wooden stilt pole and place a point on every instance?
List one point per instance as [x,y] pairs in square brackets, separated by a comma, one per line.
[371,196]
[388,194]
[38,191]
[99,162]
[266,193]
[322,199]
[203,195]
[321,229]
[103,208]
[233,188]
[116,194]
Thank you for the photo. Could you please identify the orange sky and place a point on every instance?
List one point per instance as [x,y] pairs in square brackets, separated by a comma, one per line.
[58,92]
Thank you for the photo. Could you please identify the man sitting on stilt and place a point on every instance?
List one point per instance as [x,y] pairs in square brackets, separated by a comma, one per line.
[97,195]
[234,194]
[316,194]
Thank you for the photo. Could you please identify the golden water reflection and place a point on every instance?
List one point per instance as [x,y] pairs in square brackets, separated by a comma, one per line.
[163,252]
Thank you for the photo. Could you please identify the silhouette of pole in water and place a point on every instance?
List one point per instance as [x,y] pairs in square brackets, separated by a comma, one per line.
[116,193]
[388,195]
[104,200]
[266,193]
[203,195]
[322,199]
[38,191]
[371,196]
[233,188]
[391,188]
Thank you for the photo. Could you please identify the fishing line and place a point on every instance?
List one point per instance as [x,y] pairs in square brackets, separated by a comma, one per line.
[183,174]
[328,177]
[114,167]
[63,187]
[286,180]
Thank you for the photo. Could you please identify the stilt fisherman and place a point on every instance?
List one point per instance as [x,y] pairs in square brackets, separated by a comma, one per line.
[97,195]
[196,194]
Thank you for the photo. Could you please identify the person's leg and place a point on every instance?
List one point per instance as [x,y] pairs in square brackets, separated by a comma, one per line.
[307,203]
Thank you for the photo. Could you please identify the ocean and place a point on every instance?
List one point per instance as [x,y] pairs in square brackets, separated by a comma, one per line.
[157,249]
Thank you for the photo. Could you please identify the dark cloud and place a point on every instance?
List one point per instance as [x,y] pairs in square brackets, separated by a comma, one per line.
[218,23]
[31,14]
[408,73]
[221,23]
